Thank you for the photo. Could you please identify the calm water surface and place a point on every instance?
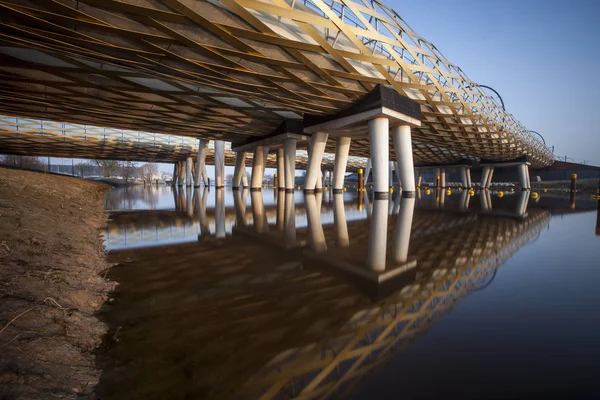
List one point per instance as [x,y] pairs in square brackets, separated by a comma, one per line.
[242,295]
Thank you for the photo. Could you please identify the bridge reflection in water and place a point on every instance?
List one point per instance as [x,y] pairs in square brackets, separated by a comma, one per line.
[272,305]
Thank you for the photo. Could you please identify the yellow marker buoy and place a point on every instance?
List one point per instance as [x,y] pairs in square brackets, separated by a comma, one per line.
[500,194]
[344,189]
[448,192]
[391,190]
[512,189]
[472,193]
[428,192]
[545,190]
[534,195]
[298,187]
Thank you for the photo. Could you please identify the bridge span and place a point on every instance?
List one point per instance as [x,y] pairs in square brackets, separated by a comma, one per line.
[263,75]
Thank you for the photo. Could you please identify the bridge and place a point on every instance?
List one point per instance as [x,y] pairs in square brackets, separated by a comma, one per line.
[338,77]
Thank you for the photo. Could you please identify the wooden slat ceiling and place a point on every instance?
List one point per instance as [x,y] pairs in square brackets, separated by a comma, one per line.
[233,69]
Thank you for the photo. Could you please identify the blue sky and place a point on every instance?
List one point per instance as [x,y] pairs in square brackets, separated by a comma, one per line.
[543,57]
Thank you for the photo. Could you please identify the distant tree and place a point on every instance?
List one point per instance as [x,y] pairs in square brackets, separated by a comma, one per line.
[27,162]
[127,170]
[229,179]
[148,171]
[109,167]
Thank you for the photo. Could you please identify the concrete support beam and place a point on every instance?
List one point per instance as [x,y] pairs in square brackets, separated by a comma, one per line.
[289,155]
[200,161]
[463,177]
[219,163]
[489,178]
[180,173]
[368,170]
[205,175]
[443,177]
[280,169]
[342,149]
[240,165]
[437,177]
[174,180]
[245,178]
[485,173]
[523,171]
[379,136]
[258,168]
[469,181]
[403,146]
[315,157]
[319,183]
[419,177]
[188,171]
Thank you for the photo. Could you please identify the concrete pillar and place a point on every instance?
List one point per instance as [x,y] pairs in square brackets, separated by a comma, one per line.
[245,178]
[188,172]
[319,183]
[315,229]
[401,238]
[220,212]
[522,170]
[315,157]
[200,161]
[258,168]
[443,177]
[174,180]
[219,164]
[379,137]
[368,170]
[289,155]
[181,174]
[339,219]
[469,181]
[342,148]
[265,159]
[489,178]
[419,177]
[240,165]
[280,169]
[205,175]
[527,177]
[485,173]
[290,219]
[404,155]
[376,251]
[436,177]
[463,177]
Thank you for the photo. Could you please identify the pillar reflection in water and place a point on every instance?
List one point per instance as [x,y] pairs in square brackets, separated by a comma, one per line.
[315,229]
[522,203]
[401,239]
[339,219]
[180,205]
[280,198]
[201,198]
[258,212]
[240,208]
[465,199]
[220,212]
[367,204]
[189,201]
[290,219]
[396,208]
[486,200]
[376,252]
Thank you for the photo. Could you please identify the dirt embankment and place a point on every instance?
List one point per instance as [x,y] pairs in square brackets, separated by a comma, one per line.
[51,255]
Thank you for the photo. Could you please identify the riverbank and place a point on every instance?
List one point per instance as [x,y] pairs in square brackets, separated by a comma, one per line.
[51,254]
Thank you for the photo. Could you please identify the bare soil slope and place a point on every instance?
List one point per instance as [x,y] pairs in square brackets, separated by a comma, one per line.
[50,256]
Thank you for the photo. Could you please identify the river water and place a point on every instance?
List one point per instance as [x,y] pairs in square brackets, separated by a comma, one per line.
[241,295]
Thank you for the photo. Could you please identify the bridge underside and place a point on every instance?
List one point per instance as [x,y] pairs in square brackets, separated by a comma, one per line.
[234,69]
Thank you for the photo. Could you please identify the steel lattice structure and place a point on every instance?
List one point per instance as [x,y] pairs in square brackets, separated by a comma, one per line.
[233,69]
